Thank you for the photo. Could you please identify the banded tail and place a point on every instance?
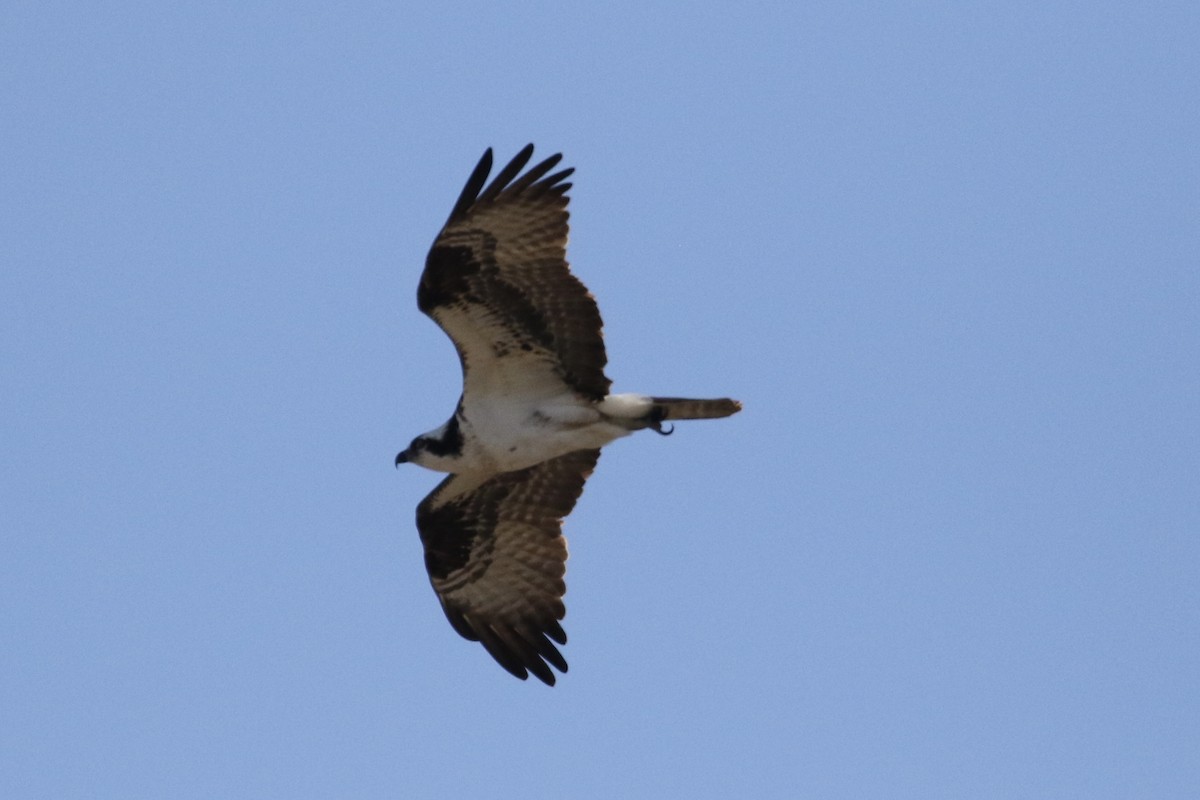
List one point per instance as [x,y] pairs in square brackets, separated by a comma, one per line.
[684,408]
[637,411]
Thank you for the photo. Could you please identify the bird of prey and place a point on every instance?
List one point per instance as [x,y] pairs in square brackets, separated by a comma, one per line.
[534,412]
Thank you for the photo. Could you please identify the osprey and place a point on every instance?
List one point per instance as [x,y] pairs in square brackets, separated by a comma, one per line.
[534,412]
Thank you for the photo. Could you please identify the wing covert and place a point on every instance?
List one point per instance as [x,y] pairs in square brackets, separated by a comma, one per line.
[496,558]
[498,282]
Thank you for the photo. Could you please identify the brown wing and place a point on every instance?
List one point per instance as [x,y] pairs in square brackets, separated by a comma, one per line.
[496,557]
[497,281]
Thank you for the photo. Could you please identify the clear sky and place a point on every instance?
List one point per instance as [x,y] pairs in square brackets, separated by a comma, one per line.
[947,254]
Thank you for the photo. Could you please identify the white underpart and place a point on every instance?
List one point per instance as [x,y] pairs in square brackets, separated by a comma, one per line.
[517,409]
[518,435]
[511,433]
[625,406]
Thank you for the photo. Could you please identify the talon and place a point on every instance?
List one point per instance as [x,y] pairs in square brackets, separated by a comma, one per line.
[654,421]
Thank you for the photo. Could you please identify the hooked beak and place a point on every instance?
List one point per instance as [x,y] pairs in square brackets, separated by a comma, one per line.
[401,457]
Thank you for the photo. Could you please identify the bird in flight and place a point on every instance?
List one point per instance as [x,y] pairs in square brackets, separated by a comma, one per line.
[534,412]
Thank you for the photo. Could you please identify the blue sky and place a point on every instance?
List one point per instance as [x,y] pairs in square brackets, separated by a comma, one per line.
[945,253]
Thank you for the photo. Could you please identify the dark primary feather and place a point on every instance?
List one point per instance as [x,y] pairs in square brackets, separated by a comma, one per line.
[496,558]
[497,279]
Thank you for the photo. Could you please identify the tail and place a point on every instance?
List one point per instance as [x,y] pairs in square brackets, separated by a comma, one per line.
[670,408]
[637,411]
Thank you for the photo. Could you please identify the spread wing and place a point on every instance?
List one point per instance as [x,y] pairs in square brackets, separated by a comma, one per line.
[496,557]
[497,281]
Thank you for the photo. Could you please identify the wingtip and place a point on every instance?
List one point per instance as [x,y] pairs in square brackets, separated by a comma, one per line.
[485,163]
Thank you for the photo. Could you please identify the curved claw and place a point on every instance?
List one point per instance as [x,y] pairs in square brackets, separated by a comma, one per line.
[658,428]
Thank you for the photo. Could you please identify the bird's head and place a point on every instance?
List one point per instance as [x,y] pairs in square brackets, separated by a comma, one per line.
[438,450]
[412,453]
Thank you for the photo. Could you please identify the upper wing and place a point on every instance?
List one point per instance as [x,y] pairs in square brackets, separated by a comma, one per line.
[496,557]
[497,281]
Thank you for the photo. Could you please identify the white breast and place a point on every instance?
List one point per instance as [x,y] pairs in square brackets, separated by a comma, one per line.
[513,435]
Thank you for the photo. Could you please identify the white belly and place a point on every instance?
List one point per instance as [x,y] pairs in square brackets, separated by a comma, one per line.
[512,437]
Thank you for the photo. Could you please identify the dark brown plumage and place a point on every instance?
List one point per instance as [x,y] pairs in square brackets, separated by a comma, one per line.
[504,249]
[496,557]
